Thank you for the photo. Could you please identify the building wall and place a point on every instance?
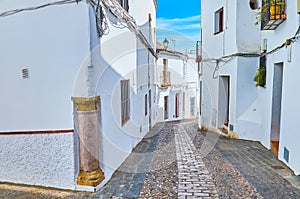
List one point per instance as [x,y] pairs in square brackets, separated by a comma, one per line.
[183,79]
[65,62]
[191,87]
[43,160]
[39,41]
[289,105]
[251,107]
[239,20]
[123,56]
[175,67]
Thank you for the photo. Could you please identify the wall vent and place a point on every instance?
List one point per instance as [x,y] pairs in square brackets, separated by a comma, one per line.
[286,154]
[230,127]
[25,73]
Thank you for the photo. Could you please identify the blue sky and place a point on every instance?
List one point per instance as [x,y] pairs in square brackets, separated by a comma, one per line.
[179,22]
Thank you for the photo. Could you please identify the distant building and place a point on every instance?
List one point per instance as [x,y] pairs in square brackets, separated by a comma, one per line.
[238,41]
[74,77]
[177,85]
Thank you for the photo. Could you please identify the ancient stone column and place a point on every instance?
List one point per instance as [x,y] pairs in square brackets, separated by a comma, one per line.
[88,131]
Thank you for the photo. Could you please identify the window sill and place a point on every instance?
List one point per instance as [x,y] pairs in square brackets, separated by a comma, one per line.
[216,33]
[125,122]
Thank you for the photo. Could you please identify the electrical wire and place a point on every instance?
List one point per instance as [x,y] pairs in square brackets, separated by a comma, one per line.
[102,24]
[124,17]
[15,11]
[222,60]
[101,20]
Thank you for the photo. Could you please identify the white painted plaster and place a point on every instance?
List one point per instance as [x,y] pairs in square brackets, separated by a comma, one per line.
[44,160]
[39,40]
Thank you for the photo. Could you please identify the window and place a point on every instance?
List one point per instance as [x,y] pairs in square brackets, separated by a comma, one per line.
[124,4]
[165,74]
[125,101]
[146,104]
[219,21]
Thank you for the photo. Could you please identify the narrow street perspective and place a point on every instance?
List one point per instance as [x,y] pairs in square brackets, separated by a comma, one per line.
[171,163]
[134,99]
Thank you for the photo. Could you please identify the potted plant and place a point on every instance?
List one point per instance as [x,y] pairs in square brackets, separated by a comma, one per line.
[260,77]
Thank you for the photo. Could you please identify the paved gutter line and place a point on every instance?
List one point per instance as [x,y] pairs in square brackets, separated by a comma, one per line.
[194,178]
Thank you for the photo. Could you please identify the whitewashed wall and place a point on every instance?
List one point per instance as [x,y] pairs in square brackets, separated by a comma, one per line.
[39,40]
[239,20]
[251,108]
[290,97]
[56,50]
[183,77]
[44,160]
[123,56]
[191,87]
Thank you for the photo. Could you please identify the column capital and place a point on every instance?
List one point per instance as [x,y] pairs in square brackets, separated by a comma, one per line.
[86,103]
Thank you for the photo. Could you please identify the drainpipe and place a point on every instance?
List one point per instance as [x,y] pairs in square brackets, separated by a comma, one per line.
[199,54]
[200,67]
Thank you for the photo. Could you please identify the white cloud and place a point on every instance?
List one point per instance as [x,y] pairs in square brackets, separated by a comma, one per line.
[177,24]
[185,31]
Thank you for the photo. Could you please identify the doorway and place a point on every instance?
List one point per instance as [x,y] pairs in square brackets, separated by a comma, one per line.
[166,110]
[276,108]
[177,105]
[224,101]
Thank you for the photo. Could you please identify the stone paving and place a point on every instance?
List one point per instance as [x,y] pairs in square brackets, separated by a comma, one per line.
[194,179]
[175,160]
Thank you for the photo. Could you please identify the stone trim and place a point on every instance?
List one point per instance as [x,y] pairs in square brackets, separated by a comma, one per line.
[86,103]
[90,178]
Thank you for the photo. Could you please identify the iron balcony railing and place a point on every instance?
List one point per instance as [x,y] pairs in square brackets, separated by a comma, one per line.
[272,14]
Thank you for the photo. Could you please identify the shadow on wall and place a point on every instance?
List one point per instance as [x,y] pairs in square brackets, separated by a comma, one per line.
[122,57]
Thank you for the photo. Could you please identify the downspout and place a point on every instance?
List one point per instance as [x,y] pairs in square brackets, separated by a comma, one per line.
[90,68]
[149,76]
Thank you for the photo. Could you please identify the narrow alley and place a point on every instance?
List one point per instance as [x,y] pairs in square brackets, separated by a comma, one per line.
[175,160]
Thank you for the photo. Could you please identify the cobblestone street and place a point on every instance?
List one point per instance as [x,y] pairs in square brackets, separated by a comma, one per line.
[175,160]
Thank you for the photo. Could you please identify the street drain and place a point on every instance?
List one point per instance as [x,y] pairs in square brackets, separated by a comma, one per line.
[277,167]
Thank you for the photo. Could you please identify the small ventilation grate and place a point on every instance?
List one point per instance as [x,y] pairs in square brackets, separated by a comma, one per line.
[230,127]
[286,154]
[25,73]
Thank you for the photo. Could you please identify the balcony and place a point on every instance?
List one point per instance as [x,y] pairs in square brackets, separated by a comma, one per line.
[166,78]
[272,14]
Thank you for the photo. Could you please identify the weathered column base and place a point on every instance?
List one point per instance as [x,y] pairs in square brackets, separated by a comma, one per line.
[87,113]
[90,178]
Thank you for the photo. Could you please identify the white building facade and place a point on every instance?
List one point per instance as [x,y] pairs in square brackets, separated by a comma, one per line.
[71,77]
[237,40]
[177,87]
